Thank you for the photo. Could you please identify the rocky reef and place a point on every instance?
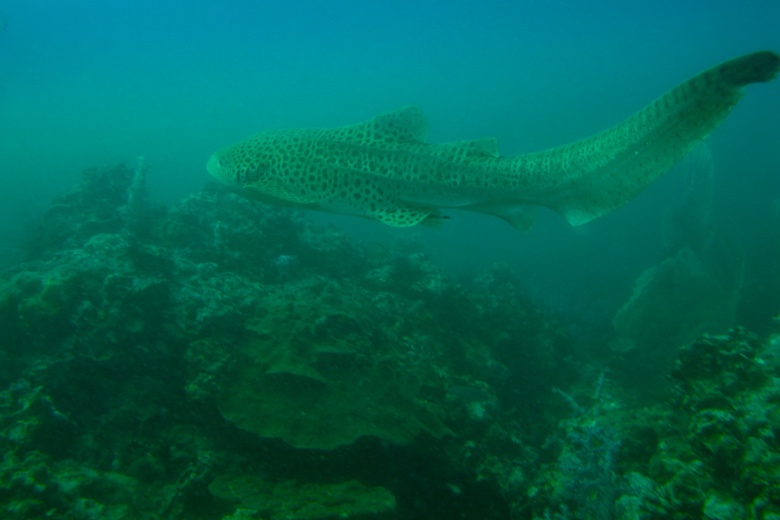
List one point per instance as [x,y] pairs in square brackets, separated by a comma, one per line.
[710,452]
[151,354]
[221,359]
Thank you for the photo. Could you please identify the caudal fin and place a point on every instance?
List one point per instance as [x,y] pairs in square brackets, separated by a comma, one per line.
[589,178]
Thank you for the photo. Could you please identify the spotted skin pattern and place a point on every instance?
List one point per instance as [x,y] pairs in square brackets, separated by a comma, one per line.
[382,169]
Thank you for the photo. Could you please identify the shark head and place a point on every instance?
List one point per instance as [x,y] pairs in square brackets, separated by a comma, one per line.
[243,163]
[216,170]
[259,167]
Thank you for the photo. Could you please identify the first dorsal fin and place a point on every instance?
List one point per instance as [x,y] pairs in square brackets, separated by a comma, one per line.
[405,125]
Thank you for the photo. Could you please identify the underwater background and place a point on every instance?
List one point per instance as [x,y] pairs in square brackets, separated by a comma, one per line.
[170,350]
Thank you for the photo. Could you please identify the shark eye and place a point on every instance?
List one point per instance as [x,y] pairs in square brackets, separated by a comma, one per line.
[257,172]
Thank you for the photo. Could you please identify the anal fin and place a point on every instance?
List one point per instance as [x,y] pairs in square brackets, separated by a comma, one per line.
[520,216]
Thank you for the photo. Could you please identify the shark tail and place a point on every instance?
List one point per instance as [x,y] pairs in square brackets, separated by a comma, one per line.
[592,177]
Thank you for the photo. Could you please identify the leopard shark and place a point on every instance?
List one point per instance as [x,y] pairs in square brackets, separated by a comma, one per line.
[382,169]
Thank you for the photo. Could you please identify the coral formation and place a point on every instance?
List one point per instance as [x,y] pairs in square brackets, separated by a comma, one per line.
[695,289]
[289,499]
[326,369]
[166,348]
[221,359]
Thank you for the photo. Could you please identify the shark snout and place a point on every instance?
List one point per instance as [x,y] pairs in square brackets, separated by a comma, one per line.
[214,167]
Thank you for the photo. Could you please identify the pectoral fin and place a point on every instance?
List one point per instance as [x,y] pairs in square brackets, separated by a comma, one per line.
[407,216]
[274,193]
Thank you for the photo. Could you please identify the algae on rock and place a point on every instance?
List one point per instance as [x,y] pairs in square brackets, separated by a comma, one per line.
[676,301]
[290,500]
[134,331]
[325,369]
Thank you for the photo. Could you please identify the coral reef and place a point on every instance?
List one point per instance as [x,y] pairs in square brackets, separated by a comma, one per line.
[710,453]
[325,369]
[221,359]
[695,289]
[281,500]
[162,350]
